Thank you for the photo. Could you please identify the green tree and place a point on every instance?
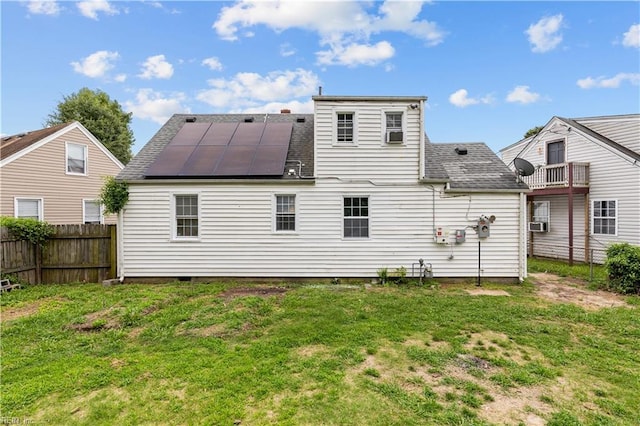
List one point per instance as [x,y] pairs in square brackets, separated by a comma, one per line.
[533,131]
[102,116]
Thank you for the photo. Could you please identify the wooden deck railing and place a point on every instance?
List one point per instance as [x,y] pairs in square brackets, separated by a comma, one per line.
[557,176]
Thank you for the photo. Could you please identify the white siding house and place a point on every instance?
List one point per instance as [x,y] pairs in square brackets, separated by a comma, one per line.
[361,189]
[593,165]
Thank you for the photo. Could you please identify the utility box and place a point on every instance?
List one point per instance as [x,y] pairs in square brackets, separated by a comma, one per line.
[484,227]
[441,235]
[461,236]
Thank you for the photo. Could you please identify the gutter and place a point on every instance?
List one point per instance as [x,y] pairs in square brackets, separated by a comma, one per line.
[297,181]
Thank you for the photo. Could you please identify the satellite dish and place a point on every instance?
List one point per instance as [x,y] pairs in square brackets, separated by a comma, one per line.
[523,167]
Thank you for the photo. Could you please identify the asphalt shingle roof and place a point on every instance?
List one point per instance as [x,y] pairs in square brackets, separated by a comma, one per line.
[16,143]
[479,169]
[300,147]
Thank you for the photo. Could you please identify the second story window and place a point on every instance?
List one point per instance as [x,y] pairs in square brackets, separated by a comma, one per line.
[394,129]
[76,159]
[344,127]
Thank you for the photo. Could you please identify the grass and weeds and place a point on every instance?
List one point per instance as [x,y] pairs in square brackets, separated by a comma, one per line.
[187,353]
[596,274]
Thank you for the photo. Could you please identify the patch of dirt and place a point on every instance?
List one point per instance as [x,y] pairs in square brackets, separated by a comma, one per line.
[486,292]
[234,292]
[571,290]
[100,320]
[12,313]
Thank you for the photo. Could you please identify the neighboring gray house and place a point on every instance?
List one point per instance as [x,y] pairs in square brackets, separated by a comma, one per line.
[585,187]
[345,191]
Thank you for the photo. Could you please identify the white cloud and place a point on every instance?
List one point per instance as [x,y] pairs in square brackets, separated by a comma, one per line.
[152,105]
[522,95]
[97,64]
[249,90]
[356,54]
[609,83]
[341,25]
[632,37]
[545,34]
[120,78]
[213,63]
[156,67]
[296,107]
[287,50]
[91,8]
[44,7]
[461,99]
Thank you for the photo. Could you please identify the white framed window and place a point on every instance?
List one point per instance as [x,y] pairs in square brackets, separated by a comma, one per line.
[604,217]
[28,208]
[92,212]
[76,159]
[541,212]
[345,127]
[186,217]
[285,216]
[356,217]
[394,127]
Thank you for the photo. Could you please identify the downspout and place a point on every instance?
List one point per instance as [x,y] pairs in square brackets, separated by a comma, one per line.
[120,246]
[523,237]
[421,160]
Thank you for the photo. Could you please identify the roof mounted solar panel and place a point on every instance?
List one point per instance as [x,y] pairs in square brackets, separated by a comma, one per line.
[190,134]
[277,134]
[269,160]
[248,134]
[170,161]
[236,161]
[203,161]
[219,134]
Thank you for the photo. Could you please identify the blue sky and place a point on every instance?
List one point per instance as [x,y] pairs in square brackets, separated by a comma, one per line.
[490,70]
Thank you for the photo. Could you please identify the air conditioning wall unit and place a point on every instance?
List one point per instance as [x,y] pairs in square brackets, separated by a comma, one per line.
[538,226]
[394,136]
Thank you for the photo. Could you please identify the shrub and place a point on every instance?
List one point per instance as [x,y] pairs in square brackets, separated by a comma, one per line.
[623,268]
[31,230]
[114,195]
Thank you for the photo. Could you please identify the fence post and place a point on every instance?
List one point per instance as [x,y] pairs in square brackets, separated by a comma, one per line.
[38,254]
[591,265]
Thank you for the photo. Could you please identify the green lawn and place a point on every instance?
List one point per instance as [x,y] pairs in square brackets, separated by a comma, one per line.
[216,354]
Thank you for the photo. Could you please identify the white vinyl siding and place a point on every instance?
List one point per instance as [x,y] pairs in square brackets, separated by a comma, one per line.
[29,208]
[92,211]
[76,159]
[237,238]
[366,159]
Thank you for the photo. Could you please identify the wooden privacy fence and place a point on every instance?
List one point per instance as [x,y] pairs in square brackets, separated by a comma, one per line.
[75,253]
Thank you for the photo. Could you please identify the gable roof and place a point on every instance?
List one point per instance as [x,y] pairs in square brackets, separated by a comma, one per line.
[299,155]
[620,132]
[16,146]
[11,145]
[479,170]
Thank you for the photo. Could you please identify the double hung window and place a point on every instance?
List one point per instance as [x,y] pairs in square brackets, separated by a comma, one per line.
[186,216]
[604,216]
[285,213]
[76,159]
[356,217]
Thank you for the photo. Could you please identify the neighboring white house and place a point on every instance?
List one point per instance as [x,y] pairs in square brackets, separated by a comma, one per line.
[585,187]
[343,192]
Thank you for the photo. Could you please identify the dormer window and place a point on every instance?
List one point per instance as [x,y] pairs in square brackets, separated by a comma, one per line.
[76,159]
[344,127]
[394,127]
